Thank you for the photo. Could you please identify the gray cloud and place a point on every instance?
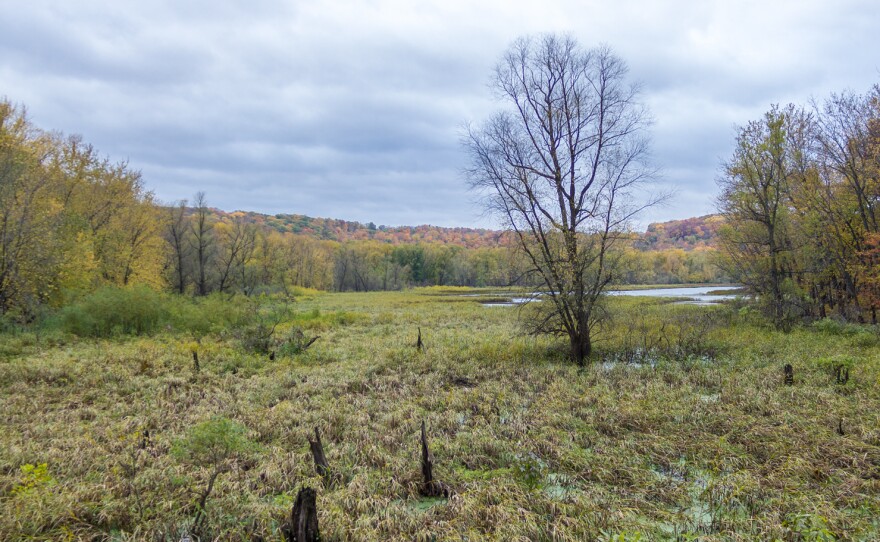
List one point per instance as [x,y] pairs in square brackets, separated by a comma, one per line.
[353,109]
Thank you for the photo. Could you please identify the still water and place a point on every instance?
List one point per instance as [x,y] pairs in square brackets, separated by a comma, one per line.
[698,295]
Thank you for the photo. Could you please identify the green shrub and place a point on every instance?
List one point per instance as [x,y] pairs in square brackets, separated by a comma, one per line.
[294,342]
[529,469]
[139,310]
[33,478]
[111,311]
[809,527]
[259,334]
[213,443]
[203,315]
[831,326]
[831,364]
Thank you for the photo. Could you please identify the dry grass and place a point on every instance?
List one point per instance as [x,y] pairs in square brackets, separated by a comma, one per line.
[533,448]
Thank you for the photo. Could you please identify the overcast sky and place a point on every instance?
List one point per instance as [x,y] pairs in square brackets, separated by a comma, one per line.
[353,109]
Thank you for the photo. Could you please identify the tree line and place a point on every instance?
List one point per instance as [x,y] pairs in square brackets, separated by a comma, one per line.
[72,221]
[69,218]
[800,195]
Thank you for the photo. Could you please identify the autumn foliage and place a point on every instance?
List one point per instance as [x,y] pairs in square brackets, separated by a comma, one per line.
[75,222]
[800,199]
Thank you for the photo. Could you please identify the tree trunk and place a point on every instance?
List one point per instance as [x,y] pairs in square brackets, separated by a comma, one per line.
[181,277]
[581,347]
[430,486]
[321,466]
[303,525]
[203,500]
[427,459]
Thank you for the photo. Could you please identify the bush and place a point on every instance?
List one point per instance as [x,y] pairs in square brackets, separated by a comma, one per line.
[213,443]
[830,326]
[830,365]
[862,335]
[113,311]
[295,342]
[667,331]
[139,310]
[204,315]
[259,335]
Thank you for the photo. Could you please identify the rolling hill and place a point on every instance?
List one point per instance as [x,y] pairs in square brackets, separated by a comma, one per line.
[686,234]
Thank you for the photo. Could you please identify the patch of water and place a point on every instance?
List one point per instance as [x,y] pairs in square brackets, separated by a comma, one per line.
[689,295]
[698,295]
[514,301]
[696,512]
[637,359]
[611,364]
[420,505]
[558,487]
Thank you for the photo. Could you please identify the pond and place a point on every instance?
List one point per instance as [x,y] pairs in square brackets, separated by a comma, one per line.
[699,295]
[691,295]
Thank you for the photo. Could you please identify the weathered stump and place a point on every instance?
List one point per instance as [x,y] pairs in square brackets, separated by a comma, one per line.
[321,465]
[788,370]
[430,486]
[419,344]
[842,373]
[196,360]
[303,524]
[145,439]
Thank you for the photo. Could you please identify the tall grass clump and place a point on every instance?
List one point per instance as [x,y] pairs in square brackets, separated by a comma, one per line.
[639,331]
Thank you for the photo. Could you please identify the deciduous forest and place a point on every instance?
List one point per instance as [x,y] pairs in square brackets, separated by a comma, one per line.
[74,221]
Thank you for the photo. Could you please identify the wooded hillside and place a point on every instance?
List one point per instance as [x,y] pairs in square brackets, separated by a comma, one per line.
[686,234]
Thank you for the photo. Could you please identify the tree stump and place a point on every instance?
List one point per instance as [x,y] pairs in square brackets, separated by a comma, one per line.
[789,374]
[842,374]
[430,486]
[419,344]
[321,465]
[145,439]
[303,524]
[196,360]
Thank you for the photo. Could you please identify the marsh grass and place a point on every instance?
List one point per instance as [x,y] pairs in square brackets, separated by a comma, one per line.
[692,444]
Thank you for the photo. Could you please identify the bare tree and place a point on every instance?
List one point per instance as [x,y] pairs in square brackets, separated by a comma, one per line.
[844,145]
[203,241]
[238,246]
[560,166]
[176,236]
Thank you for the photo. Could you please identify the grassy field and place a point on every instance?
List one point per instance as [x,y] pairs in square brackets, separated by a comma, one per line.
[682,427]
